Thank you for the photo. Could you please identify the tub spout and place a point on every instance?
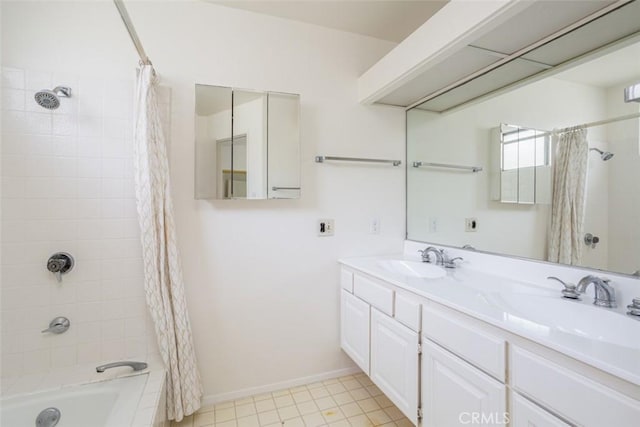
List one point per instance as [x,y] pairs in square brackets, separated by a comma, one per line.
[137,366]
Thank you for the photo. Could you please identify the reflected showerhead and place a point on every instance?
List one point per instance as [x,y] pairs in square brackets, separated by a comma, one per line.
[604,155]
[50,99]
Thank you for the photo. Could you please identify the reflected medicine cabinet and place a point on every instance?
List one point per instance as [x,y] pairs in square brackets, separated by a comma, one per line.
[247,144]
[520,165]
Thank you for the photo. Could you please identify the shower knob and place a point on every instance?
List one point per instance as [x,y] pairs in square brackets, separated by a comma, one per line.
[59,325]
[591,240]
[59,264]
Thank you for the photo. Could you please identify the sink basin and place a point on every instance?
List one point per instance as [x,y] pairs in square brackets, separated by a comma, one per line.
[571,317]
[413,269]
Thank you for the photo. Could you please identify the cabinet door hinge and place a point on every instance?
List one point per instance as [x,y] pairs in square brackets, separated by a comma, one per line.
[419,348]
[419,413]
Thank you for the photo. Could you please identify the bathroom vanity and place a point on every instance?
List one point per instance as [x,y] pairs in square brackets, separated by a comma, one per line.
[469,346]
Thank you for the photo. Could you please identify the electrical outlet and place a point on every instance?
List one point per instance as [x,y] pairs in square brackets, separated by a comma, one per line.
[433,224]
[325,227]
[470,224]
[374,227]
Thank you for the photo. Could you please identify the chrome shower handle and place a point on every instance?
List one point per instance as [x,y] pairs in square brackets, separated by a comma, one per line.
[58,325]
[59,264]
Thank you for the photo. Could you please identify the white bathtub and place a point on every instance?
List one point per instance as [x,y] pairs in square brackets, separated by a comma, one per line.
[103,404]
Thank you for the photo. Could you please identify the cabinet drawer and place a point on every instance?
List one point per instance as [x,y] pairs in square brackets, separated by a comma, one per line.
[407,311]
[375,294]
[527,414]
[478,347]
[346,280]
[571,395]
[454,393]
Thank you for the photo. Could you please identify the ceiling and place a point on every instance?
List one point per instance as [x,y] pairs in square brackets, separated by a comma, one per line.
[621,66]
[391,20]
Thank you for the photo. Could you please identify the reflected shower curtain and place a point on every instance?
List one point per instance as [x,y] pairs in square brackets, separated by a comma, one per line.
[162,271]
[568,196]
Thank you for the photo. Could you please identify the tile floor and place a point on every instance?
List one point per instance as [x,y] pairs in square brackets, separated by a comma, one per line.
[341,402]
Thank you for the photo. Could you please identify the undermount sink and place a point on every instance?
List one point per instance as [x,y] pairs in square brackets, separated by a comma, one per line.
[571,317]
[413,268]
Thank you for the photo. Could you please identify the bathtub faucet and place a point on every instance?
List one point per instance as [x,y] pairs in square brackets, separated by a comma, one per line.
[137,366]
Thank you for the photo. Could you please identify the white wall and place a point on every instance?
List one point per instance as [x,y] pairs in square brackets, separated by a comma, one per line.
[464,137]
[624,176]
[261,287]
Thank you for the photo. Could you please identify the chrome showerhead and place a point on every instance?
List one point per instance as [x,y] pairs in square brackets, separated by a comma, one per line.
[50,99]
[604,155]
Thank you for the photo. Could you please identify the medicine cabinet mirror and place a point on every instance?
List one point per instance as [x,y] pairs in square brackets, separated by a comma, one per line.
[247,144]
[500,177]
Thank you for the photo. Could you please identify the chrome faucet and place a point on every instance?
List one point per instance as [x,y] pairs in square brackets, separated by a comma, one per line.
[137,366]
[605,294]
[439,254]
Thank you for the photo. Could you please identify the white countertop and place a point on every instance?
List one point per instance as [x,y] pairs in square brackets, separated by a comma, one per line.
[479,294]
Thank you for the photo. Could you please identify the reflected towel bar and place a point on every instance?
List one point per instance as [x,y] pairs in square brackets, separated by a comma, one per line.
[284,188]
[321,159]
[445,165]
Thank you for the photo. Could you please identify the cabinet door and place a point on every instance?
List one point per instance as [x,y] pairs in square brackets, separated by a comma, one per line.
[354,329]
[527,414]
[456,393]
[394,362]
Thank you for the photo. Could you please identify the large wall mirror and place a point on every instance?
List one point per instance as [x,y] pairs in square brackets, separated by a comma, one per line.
[508,175]
[247,144]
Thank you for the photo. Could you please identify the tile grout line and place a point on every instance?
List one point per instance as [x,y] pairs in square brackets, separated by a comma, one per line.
[350,401]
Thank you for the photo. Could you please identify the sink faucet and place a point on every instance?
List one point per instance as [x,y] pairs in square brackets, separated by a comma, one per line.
[137,366]
[439,254]
[605,294]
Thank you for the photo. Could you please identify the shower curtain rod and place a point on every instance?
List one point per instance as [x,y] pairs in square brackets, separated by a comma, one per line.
[584,125]
[144,59]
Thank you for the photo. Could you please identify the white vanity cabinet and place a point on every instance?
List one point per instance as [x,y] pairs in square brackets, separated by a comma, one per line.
[394,362]
[354,329]
[525,413]
[443,367]
[457,393]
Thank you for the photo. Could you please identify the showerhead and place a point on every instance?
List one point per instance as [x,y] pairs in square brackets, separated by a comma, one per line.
[50,99]
[604,155]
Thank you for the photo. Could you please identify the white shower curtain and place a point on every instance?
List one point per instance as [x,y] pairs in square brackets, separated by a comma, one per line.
[568,196]
[162,271]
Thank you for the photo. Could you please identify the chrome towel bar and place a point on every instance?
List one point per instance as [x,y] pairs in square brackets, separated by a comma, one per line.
[448,166]
[322,159]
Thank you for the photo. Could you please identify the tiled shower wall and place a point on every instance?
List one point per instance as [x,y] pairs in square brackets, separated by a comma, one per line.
[67,185]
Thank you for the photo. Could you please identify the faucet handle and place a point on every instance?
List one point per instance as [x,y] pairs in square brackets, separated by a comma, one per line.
[569,290]
[451,263]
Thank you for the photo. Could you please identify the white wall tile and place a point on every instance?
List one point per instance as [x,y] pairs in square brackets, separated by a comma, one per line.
[89,146]
[64,146]
[64,125]
[39,145]
[13,99]
[38,123]
[63,357]
[14,165]
[12,78]
[38,80]
[89,126]
[68,186]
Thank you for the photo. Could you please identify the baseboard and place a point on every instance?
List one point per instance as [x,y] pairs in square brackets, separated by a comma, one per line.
[213,399]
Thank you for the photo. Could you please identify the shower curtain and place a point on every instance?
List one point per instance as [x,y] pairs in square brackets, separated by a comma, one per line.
[568,196]
[162,271]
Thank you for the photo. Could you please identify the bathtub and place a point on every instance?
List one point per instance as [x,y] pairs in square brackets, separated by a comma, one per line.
[110,403]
